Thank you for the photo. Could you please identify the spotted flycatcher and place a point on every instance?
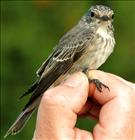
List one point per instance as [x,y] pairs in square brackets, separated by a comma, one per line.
[86,46]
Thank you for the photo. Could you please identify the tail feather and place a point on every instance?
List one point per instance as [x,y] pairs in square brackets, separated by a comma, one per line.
[30,90]
[20,122]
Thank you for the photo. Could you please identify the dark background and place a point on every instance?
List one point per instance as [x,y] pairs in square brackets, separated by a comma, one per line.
[29,32]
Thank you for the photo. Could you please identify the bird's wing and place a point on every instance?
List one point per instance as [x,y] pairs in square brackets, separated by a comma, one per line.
[68,51]
[68,41]
[43,66]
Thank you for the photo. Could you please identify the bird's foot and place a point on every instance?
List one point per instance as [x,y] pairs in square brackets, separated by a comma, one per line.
[98,84]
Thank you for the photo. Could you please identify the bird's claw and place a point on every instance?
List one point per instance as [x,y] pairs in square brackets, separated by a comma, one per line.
[98,84]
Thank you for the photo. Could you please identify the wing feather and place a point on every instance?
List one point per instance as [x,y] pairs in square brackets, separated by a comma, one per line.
[49,78]
[72,41]
[68,50]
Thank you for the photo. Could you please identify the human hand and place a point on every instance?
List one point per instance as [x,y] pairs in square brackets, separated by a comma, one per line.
[114,109]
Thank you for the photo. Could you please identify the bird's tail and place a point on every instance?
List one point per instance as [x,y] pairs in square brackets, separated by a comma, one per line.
[20,122]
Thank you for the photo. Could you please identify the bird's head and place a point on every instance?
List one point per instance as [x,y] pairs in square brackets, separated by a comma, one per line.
[99,15]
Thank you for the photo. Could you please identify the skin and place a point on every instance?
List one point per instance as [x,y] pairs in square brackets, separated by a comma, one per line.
[114,109]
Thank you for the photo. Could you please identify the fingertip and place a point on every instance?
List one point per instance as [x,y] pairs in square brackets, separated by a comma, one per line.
[102,77]
[92,88]
[97,74]
[105,94]
[76,80]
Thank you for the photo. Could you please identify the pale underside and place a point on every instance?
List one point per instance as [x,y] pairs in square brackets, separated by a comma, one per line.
[95,55]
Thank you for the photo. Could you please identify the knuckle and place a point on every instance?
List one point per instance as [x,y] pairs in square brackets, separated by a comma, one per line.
[53,97]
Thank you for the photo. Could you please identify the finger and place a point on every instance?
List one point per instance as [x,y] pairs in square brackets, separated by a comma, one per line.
[78,94]
[113,84]
[130,84]
[82,135]
[94,111]
[57,114]
[85,109]
[117,110]
[90,109]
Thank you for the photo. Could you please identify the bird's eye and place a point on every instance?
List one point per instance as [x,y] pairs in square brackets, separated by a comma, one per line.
[113,16]
[92,14]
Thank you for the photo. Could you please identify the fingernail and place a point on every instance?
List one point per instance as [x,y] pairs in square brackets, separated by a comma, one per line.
[76,80]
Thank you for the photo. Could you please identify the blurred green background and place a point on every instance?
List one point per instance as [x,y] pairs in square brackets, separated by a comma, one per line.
[29,32]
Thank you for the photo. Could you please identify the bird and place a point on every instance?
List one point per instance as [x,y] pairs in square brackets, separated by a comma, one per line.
[85,47]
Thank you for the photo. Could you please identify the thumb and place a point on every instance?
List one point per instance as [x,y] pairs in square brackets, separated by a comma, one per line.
[77,92]
[73,92]
[65,100]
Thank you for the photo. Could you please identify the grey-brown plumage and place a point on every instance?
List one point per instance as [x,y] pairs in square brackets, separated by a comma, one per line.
[87,45]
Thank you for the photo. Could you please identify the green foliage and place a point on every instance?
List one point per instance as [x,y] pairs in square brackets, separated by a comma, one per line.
[29,32]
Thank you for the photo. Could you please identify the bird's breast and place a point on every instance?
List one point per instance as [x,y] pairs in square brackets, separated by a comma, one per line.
[96,53]
[101,48]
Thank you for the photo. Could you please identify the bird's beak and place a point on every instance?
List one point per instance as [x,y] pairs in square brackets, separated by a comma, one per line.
[105,18]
